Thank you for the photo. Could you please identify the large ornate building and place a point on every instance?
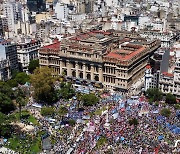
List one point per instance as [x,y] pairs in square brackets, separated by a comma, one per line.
[115,58]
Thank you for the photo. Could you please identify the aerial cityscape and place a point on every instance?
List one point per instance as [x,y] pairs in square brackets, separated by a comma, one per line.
[89,76]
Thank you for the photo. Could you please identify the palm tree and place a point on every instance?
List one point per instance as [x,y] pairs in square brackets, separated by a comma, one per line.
[21,102]
[20,99]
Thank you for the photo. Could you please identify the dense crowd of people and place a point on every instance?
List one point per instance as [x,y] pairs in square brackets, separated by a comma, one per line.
[152,132]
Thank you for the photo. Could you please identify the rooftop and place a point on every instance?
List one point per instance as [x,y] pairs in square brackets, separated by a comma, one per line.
[54,46]
[148,66]
[167,74]
[125,54]
[92,35]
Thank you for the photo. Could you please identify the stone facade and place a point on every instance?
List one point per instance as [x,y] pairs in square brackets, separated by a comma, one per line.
[116,59]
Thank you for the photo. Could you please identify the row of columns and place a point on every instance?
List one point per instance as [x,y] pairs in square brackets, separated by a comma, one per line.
[109,79]
[69,72]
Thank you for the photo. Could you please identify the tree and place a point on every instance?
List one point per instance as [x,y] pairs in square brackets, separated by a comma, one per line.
[170,99]
[177,106]
[5,127]
[154,94]
[133,121]
[102,140]
[62,112]
[12,83]
[6,96]
[33,65]
[6,89]
[89,99]
[21,102]
[66,91]
[22,78]
[43,84]
[79,98]
[165,112]
[20,96]
[14,73]
[47,111]
[6,104]
[72,122]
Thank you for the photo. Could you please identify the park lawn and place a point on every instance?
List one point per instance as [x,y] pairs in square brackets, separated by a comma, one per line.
[33,120]
[25,145]
[36,146]
[13,143]
[99,111]
[27,116]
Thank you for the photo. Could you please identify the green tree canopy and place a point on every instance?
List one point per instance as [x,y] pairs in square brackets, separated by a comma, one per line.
[12,83]
[165,112]
[21,101]
[22,78]
[89,99]
[5,127]
[6,104]
[133,121]
[43,84]
[170,99]
[62,111]
[66,91]
[177,106]
[33,65]
[47,111]
[72,122]
[154,94]
[102,140]
[6,89]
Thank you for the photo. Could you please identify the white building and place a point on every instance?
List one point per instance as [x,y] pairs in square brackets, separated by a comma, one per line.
[167,38]
[143,21]
[151,80]
[12,11]
[27,51]
[177,75]
[17,16]
[61,10]
[170,83]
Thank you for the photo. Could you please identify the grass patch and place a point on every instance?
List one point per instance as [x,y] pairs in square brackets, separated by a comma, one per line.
[99,111]
[25,144]
[33,120]
[26,117]
[102,140]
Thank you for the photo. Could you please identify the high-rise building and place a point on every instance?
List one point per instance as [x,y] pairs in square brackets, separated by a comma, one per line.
[4,69]
[13,12]
[36,5]
[10,50]
[1,28]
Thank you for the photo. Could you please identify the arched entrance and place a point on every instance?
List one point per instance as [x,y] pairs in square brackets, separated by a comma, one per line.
[73,73]
[96,78]
[81,75]
[88,76]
